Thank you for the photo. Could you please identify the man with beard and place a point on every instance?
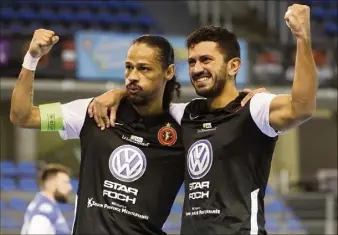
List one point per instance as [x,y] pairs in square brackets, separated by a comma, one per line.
[43,215]
[129,175]
[228,145]
[229,148]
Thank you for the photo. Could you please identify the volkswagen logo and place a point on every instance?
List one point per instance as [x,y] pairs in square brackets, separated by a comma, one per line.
[199,159]
[127,163]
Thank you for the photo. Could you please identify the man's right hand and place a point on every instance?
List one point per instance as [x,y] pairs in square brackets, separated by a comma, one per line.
[100,106]
[43,40]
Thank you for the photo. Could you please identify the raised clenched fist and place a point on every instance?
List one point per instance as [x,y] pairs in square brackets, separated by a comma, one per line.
[297,18]
[43,40]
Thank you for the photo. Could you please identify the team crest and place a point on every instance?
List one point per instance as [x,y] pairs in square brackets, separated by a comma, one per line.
[167,135]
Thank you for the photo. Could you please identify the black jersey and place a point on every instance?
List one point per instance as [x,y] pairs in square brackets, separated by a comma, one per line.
[228,161]
[129,175]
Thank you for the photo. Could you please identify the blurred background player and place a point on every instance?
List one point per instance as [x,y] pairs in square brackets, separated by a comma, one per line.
[43,215]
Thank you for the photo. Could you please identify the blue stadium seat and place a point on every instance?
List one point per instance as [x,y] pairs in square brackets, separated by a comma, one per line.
[331,28]
[171,227]
[117,5]
[294,224]
[271,225]
[3,205]
[17,204]
[274,206]
[145,20]
[47,14]
[176,208]
[132,5]
[318,13]
[181,191]
[125,19]
[85,16]
[333,14]
[8,184]
[27,169]
[66,207]
[70,222]
[66,15]
[27,14]
[28,185]
[75,184]
[8,168]
[8,13]
[106,18]
[269,190]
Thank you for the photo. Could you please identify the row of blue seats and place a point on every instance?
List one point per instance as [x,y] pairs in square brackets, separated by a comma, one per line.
[129,5]
[26,184]
[11,223]
[323,11]
[272,225]
[9,168]
[331,28]
[324,3]
[19,204]
[81,17]
[324,14]
[69,29]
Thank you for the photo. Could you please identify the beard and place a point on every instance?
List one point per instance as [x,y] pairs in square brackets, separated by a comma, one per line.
[219,82]
[60,197]
[138,100]
[213,91]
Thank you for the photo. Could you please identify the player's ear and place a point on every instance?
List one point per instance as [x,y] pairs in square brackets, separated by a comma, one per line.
[170,72]
[233,66]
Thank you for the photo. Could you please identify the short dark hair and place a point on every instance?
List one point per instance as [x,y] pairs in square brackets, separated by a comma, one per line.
[226,40]
[51,170]
[166,58]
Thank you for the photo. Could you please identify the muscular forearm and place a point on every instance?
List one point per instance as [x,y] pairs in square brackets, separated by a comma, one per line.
[22,97]
[305,80]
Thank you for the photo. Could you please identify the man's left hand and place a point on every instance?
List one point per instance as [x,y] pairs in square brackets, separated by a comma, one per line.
[251,94]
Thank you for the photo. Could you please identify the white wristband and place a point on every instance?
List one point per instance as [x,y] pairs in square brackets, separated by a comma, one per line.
[30,62]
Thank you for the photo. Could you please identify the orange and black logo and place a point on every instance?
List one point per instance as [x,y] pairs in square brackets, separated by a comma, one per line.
[167,135]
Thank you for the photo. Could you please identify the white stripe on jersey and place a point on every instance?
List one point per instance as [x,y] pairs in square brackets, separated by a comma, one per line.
[254,211]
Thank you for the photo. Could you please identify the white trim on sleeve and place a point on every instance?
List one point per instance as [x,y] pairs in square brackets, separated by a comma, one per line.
[260,113]
[74,114]
[176,110]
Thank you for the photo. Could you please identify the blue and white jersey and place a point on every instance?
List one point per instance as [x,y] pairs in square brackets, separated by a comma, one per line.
[44,216]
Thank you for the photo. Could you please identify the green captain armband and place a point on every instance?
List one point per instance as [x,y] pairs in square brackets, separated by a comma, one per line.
[51,117]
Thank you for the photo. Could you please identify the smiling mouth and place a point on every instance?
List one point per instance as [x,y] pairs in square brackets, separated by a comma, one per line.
[201,80]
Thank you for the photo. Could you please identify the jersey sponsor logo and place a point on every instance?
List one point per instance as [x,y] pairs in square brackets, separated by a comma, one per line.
[90,202]
[206,127]
[199,159]
[167,135]
[135,139]
[127,163]
[115,207]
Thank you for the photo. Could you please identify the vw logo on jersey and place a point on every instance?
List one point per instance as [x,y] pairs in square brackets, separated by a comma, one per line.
[127,163]
[199,159]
